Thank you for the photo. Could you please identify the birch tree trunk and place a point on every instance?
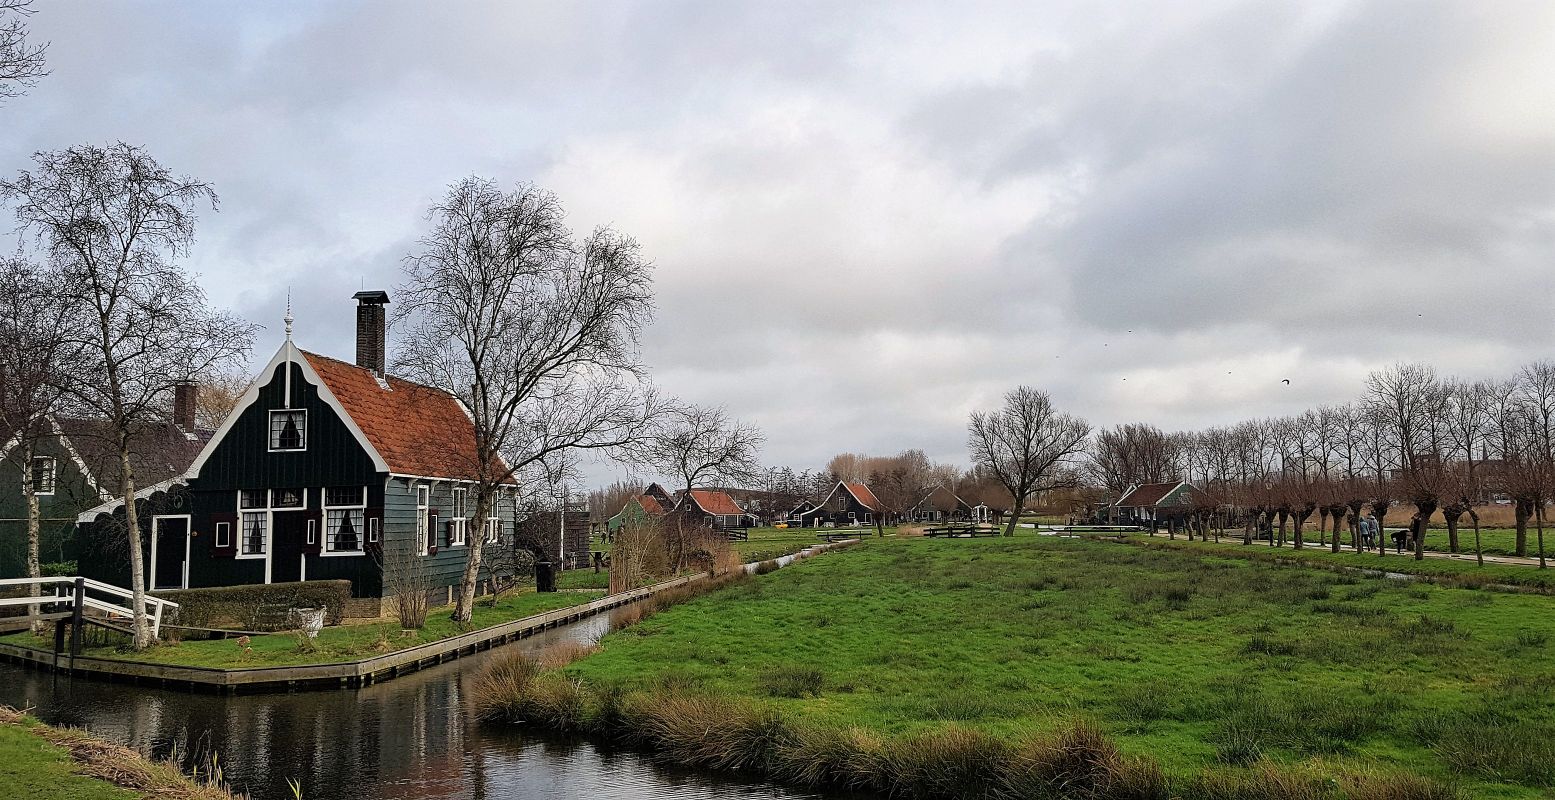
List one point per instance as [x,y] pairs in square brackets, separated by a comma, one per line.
[33,569]
[137,560]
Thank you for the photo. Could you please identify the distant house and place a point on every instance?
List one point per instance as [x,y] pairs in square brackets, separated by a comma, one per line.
[76,467]
[847,504]
[713,507]
[324,470]
[653,503]
[943,505]
[1152,503]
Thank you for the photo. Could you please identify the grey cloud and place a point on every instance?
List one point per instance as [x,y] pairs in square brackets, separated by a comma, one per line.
[869,218]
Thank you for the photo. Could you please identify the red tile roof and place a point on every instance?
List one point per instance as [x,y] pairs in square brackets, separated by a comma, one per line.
[864,495]
[716,503]
[418,430]
[651,505]
[1147,494]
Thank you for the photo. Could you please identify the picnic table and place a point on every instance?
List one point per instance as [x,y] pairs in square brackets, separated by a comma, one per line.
[972,530]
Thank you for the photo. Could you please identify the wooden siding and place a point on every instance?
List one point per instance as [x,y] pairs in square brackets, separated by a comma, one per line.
[72,495]
[446,566]
[242,460]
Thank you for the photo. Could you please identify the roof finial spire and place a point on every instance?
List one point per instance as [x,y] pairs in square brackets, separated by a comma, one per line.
[288,318]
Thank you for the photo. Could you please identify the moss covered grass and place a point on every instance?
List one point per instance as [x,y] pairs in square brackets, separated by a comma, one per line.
[1228,676]
[350,642]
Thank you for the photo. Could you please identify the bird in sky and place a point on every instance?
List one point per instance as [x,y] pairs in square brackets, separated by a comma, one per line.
[1287,381]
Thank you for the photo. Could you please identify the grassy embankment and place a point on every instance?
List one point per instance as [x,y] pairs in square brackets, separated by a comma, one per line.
[38,762]
[349,642]
[961,668]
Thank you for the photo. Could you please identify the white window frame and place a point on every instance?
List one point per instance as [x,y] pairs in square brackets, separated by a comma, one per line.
[270,498]
[361,530]
[52,471]
[493,522]
[374,534]
[424,533]
[458,514]
[264,515]
[270,438]
[220,528]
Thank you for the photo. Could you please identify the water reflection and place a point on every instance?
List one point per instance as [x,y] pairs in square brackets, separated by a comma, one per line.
[408,738]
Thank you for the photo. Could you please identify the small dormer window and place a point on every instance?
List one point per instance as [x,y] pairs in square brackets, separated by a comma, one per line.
[288,430]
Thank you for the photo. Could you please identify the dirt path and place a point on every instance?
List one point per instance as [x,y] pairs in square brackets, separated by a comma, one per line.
[1469,557]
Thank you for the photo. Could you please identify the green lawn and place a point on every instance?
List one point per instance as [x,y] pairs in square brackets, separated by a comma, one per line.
[32,768]
[349,642]
[765,543]
[1194,659]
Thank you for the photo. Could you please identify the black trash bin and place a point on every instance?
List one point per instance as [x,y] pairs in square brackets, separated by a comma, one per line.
[545,576]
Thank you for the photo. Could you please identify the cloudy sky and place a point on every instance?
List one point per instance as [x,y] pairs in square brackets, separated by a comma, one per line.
[869,219]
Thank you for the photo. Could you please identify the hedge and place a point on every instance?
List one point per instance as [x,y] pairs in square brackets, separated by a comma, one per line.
[251,607]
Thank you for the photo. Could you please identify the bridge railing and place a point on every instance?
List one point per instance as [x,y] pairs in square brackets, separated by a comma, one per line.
[73,596]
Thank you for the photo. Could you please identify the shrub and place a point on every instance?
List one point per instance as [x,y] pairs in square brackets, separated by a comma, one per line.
[792,680]
[246,606]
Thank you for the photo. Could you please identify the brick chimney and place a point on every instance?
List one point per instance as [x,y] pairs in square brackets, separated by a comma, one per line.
[185,397]
[370,325]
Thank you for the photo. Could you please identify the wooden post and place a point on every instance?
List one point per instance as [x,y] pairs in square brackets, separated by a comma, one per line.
[78,605]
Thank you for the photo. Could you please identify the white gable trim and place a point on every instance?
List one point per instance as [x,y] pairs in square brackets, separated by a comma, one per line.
[75,457]
[288,354]
[142,493]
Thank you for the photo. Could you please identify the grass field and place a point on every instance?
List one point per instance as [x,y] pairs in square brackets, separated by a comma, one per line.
[349,642]
[1204,662]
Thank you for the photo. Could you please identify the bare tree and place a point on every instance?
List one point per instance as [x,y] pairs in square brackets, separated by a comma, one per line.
[900,483]
[114,221]
[701,446]
[21,61]
[535,334]
[33,355]
[1027,445]
[1132,454]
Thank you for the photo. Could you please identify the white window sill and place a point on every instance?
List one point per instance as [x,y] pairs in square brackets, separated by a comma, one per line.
[342,553]
[249,556]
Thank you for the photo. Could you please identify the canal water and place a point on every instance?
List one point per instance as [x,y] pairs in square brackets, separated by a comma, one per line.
[409,738]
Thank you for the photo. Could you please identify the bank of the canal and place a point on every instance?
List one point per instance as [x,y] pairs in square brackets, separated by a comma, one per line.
[413,738]
[409,739]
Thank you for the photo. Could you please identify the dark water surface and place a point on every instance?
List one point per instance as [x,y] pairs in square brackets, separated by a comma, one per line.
[412,737]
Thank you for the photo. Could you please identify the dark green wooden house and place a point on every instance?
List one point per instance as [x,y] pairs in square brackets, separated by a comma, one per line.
[324,470]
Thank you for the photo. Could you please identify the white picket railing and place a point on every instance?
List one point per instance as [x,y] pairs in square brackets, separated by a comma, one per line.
[70,592]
